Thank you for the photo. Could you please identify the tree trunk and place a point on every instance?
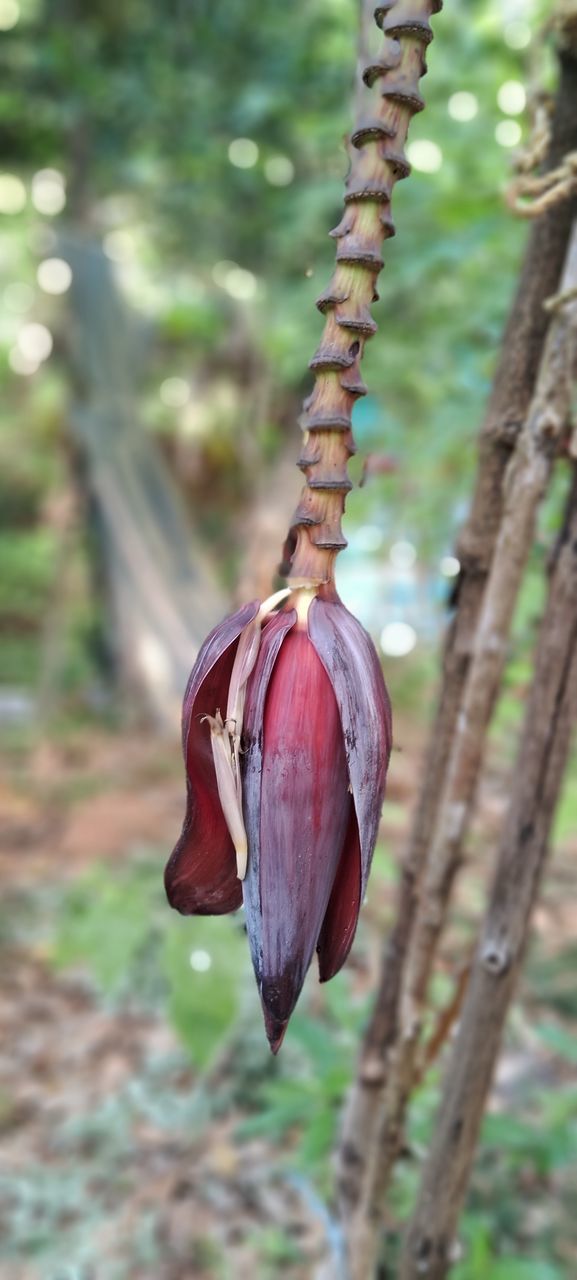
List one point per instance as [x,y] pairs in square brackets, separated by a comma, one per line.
[163,594]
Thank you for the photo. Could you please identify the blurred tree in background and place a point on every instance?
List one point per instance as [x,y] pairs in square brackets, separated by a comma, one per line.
[195,154]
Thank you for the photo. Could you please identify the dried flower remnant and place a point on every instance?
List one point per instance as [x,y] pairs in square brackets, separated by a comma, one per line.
[225,735]
[285,785]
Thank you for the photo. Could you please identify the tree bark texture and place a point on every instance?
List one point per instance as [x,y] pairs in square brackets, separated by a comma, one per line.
[545,740]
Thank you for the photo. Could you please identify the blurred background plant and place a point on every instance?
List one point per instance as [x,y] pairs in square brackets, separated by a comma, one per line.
[168,173]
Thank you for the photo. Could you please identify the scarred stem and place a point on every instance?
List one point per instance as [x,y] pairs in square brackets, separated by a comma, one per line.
[378,162]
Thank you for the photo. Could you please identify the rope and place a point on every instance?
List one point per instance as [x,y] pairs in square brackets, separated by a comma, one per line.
[560,300]
[530,196]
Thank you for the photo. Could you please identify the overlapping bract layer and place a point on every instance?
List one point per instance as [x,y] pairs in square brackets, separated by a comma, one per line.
[201,874]
[316,742]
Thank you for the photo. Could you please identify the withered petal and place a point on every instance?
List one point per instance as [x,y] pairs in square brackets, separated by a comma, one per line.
[212,651]
[342,913]
[201,874]
[304,810]
[352,665]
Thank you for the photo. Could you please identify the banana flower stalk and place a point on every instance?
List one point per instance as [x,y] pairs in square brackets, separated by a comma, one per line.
[286,719]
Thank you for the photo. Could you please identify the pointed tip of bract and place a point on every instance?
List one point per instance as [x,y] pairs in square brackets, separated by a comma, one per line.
[278,1000]
[275,1030]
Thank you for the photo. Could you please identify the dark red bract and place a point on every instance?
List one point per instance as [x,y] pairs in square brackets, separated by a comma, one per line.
[315,748]
[200,876]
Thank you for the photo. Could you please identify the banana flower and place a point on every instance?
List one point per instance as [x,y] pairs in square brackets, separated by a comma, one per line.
[286,737]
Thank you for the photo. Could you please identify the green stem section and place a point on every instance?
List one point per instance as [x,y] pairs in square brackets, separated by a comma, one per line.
[378,162]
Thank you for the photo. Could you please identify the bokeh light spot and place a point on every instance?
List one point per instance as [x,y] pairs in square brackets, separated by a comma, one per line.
[240,284]
[12,193]
[174,392]
[517,34]
[425,155]
[54,275]
[279,171]
[20,363]
[221,270]
[243,153]
[508,133]
[200,961]
[48,192]
[512,98]
[119,245]
[398,639]
[35,341]
[9,14]
[463,106]
[403,555]
[450,566]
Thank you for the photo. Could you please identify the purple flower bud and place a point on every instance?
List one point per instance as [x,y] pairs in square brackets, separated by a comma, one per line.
[316,740]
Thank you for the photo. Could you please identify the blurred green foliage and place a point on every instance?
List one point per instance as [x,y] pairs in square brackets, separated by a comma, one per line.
[118,927]
[519,1220]
[136,107]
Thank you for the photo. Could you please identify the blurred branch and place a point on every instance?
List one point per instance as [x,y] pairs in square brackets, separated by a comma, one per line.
[446,1020]
[419,925]
[524,484]
[544,746]
[378,1099]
